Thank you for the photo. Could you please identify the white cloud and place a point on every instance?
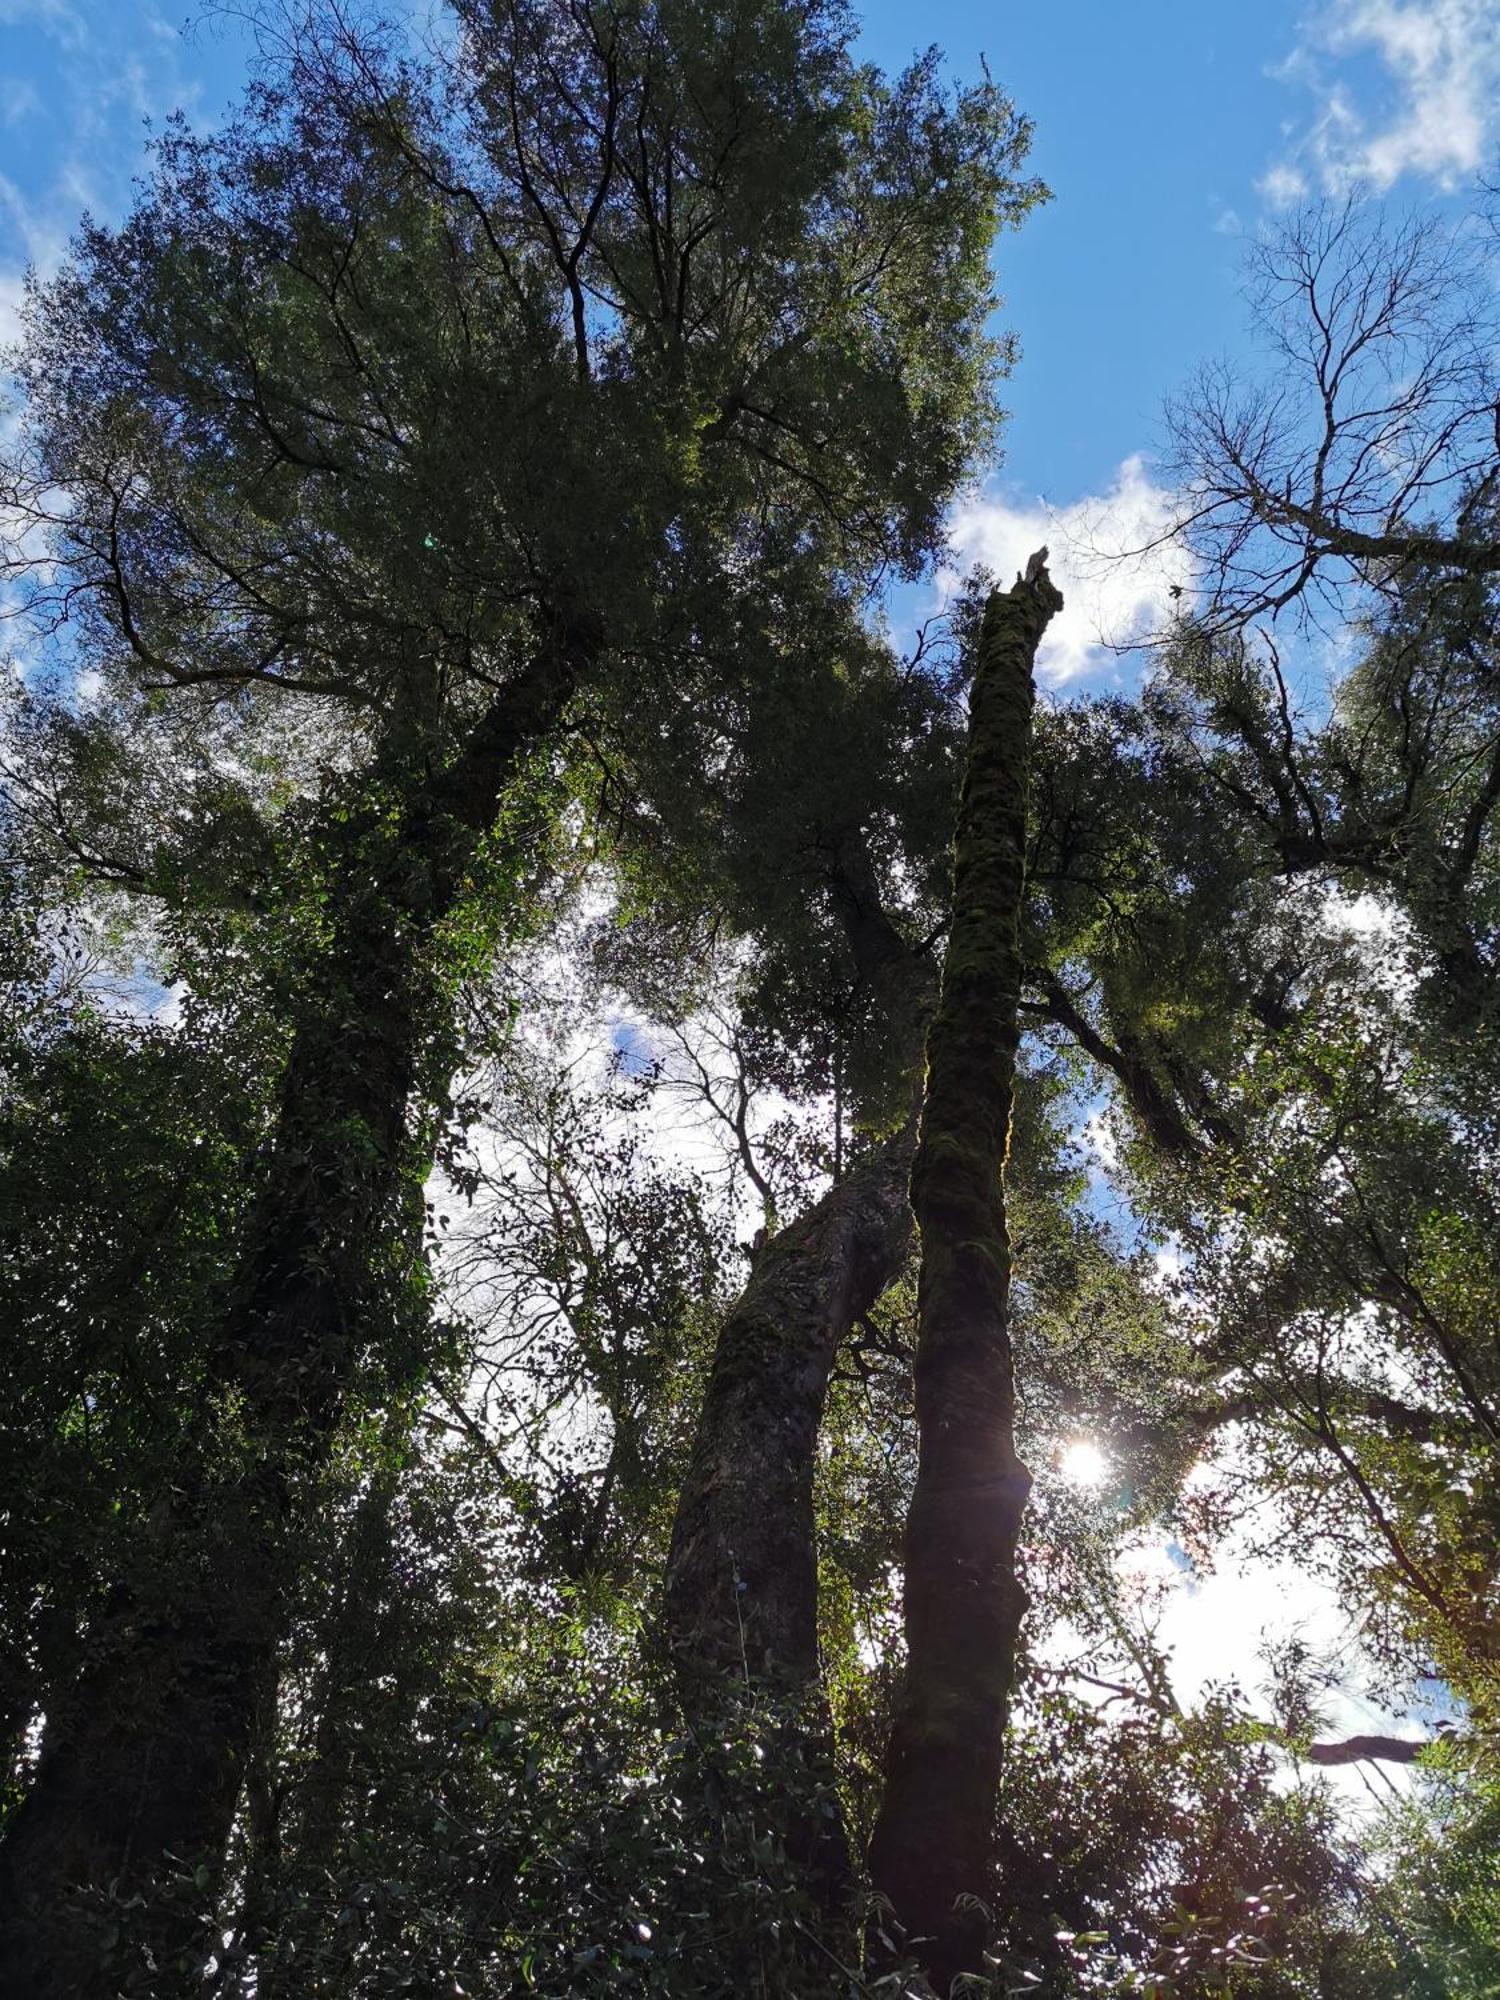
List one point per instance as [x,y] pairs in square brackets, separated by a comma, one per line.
[92,86]
[1100,1142]
[1211,1629]
[12,298]
[1168,1262]
[1214,1628]
[19,99]
[1107,557]
[1281,186]
[34,234]
[1363,916]
[54,17]
[1436,114]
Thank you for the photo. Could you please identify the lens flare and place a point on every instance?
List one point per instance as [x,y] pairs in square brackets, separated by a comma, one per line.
[1082,1463]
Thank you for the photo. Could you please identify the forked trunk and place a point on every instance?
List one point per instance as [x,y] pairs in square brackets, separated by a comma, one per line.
[742,1576]
[934,1840]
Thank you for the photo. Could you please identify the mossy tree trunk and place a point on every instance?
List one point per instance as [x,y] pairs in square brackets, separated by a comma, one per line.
[742,1579]
[109,1869]
[934,1839]
[742,1576]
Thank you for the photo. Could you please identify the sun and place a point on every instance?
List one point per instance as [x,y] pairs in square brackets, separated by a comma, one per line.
[1082,1463]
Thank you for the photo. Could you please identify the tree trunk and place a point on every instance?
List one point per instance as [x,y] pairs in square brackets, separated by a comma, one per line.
[141,1767]
[934,1839]
[110,1867]
[742,1575]
[282,1929]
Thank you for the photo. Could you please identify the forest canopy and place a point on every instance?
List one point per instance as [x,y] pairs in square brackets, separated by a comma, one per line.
[650,1208]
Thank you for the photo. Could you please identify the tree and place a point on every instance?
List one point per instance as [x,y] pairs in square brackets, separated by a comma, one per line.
[1373,445]
[322,414]
[454,513]
[117,1132]
[933,1841]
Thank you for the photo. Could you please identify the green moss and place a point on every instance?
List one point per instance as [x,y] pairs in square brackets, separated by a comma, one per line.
[934,1839]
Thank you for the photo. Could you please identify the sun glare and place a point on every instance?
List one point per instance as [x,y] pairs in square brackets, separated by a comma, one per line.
[1082,1463]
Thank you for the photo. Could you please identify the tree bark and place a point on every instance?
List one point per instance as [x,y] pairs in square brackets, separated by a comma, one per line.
[308,1830]
[1356,1749]
[110,1867]
[934,1839]
[742,1574]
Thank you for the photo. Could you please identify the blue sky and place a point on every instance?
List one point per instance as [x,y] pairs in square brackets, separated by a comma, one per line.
[1167,129]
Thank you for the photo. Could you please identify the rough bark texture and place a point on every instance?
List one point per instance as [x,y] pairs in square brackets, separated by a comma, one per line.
[114,1856]
[296,1836]
[742,1575]
[934,1838]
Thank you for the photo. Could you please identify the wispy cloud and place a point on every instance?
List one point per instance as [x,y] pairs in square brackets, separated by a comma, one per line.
[79,87]
[1282,186]
[33,235]
[56,18]
[19,99]
[1431,108]
[1107,556]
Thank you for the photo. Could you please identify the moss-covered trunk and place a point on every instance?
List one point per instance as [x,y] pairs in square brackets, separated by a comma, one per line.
[742,1577]
[934,1837]
[141,1765]
[109,1869]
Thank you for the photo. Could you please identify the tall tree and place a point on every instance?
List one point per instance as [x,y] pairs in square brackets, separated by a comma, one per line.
[405,423]
[934,1842]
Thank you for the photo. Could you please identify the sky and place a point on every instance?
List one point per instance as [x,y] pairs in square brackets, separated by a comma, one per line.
[1169,132]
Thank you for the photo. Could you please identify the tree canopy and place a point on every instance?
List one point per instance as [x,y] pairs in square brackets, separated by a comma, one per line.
[639,1214]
